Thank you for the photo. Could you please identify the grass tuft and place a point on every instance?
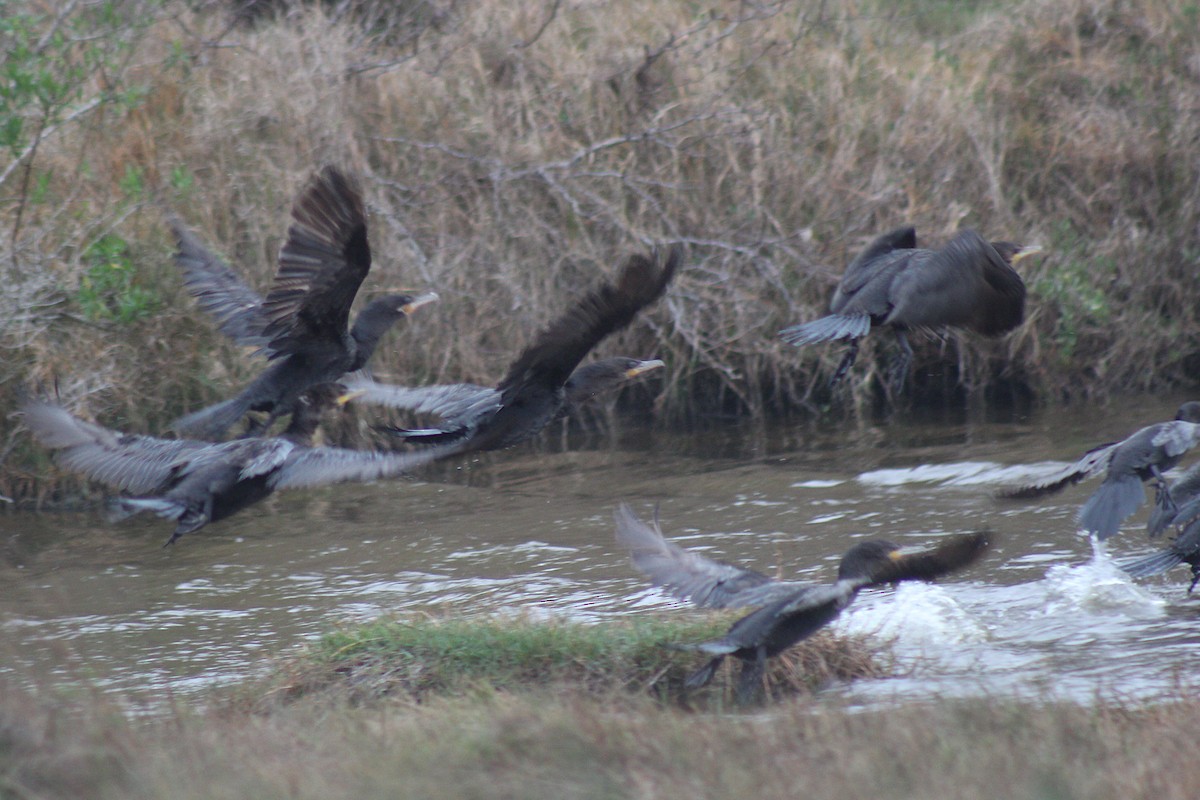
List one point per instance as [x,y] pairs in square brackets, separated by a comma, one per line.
[418,657]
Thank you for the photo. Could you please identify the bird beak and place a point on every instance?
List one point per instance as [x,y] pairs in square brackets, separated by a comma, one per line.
[643,366]
[418,301]
[1025,252]
[348,396]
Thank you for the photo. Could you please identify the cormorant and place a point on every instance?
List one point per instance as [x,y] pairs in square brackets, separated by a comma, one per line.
[457,405]
[970,283]
[194,482]
[544,378]
[788,611]
[1143,456]
[302,323]
[1185,516]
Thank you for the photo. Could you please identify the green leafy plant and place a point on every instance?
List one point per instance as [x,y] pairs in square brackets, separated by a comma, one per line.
[108,289]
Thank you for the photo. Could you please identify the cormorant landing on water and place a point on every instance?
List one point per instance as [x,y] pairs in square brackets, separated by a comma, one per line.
[1144,455]
[788,611]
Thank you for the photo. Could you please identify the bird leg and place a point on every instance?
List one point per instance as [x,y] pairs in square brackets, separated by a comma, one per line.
[898,374]
[1162,492]
[1195,577]
[750,680]
[845,364]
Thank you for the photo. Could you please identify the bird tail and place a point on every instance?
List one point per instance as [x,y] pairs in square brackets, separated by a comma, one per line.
[123,507]
[423,435]
[213,421]
[702,676]
[835,326]
[1115,500]
[1153,564]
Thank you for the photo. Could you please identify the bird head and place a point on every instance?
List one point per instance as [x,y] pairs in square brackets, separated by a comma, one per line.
[876,561]
[607,373]
[1189,412]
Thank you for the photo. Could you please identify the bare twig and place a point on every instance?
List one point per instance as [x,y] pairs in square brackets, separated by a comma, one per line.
[545,24]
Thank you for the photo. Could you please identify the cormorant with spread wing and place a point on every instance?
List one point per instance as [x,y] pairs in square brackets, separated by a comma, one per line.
[194,482]
[1144,455]
[546,377]
[788,611]
[969,283]
[302,323]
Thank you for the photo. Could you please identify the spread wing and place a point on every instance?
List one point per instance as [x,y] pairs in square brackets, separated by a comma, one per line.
[1176,437]
[237,309]
[320,466]
[452,401]
[965,283]
[689,575]
[557,350]
[137,464]
[1093,462]
[867,264]
[321,265]
[905,564]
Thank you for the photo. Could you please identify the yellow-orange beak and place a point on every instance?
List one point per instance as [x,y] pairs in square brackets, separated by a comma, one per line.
[643,367]
[418,301]
[349,396]
[1025,252]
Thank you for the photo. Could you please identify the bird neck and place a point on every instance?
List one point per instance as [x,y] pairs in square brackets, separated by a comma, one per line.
[303,427]
[589,381]
[369,327]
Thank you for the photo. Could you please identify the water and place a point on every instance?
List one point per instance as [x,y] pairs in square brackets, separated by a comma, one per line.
[531,531]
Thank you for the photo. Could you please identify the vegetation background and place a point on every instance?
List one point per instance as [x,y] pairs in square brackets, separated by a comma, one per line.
[513,152]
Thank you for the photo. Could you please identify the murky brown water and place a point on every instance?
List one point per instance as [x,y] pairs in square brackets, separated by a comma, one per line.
[532,531]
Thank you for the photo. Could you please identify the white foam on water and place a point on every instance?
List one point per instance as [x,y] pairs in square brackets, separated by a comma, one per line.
[914,614]
[962,473]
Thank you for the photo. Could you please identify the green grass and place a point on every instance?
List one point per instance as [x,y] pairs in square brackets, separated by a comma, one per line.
[419,657]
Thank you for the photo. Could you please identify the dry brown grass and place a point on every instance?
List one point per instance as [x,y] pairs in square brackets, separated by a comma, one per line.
[501,745]
[513,152]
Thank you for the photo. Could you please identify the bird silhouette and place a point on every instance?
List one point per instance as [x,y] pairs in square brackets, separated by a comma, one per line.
[787,611]
[195,482]
[969,283]
[301,325]
[1183,513]
[546,377]
[1142,456]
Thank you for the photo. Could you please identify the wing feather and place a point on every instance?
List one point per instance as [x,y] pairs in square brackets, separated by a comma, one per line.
[321,265]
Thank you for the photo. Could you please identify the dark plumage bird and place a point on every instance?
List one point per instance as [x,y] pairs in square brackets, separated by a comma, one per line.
[1184,513]
[1126,464]
[459,406]
[546,377]
[302,324]
[788,611]
[970,283]
[195,483]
